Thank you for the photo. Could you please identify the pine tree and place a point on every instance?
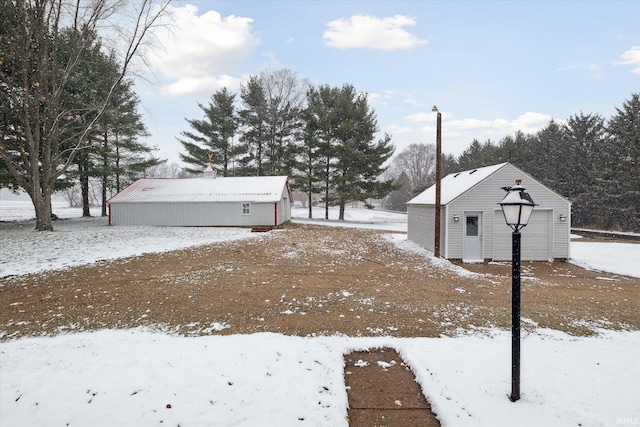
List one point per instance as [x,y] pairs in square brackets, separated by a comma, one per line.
[321,107]
[397,200]
[544,155]
[36,70]
[213,134]
[253,125]
[578,168]
[270,120]
[308,166]
[618,186]
[360,158]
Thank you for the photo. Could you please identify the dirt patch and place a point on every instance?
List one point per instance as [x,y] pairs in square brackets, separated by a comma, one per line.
[310,280]
[383,391]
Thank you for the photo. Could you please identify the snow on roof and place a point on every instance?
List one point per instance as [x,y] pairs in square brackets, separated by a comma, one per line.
[223,189]
[454,185]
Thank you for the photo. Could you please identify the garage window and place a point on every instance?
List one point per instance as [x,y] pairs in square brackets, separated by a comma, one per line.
[246,209]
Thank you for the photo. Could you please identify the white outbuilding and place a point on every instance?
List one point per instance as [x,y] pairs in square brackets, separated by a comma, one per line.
[260,201]
[472,226]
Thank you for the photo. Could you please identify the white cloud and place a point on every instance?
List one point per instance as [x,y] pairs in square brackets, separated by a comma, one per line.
[189,85]
[632,57]
[420,117]
[426,117]
[528,123]
[413,102]
[374,97]
[201,51]
[399,130]
[458,134]
[364,31]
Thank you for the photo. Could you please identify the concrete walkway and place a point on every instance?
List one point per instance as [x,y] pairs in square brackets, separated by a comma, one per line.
[383,392]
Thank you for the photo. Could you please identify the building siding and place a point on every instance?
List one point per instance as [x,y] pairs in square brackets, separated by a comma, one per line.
[421,221]
[197,214]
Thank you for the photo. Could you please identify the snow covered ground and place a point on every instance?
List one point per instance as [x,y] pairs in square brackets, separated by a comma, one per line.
[144,378]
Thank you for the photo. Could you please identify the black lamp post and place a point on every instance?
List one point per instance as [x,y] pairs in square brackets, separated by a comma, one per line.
[436,243]
[516,208]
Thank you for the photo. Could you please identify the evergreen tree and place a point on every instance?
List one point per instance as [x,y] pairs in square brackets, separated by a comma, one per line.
[322,106]
[578,170]
[449,164]
[308,165]
[344,127]
[123,127]
[514,149]
[397,200]
[270,120]
[285,99]
[212,135]
[617,188]
[35,74]
[478,155]
[544,155]
[360,158]
[89,83]
[254,134]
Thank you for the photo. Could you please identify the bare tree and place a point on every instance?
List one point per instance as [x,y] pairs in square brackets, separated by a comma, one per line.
[41,134]
[417,162]
[269,118]
[166,170]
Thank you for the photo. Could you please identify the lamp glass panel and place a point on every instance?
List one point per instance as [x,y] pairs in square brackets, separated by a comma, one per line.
[526,214]
[511,213]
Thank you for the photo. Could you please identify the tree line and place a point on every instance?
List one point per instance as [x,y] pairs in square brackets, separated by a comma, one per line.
[593,162]
[69,117]
[323,137]
[67,111]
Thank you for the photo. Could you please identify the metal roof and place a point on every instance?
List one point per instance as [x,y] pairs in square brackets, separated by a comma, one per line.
[223,189]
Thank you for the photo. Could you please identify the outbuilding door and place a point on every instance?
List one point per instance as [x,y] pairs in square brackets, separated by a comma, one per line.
[536,243]
[472,238]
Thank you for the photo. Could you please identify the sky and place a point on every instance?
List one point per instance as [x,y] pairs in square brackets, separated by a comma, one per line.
[491,67]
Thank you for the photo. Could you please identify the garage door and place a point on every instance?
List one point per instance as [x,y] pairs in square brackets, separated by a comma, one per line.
[536,243]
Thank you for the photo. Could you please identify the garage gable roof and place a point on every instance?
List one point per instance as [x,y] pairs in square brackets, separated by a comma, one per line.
[225,189]
[454,185]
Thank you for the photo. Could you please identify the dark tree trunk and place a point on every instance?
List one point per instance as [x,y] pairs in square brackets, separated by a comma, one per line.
[105,167]
[42,205]
[84,188]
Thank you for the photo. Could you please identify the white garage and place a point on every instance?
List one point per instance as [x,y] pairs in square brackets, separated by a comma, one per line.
[472,227]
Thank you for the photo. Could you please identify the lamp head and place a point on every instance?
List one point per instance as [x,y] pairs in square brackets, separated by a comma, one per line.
[516,206]
[435,109]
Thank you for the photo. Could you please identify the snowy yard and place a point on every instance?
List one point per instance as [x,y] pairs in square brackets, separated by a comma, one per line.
[143,378]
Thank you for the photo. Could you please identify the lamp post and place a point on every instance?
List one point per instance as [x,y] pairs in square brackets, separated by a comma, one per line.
[516,208]
[436,242]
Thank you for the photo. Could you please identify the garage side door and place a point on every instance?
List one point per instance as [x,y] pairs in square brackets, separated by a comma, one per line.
[536,243]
